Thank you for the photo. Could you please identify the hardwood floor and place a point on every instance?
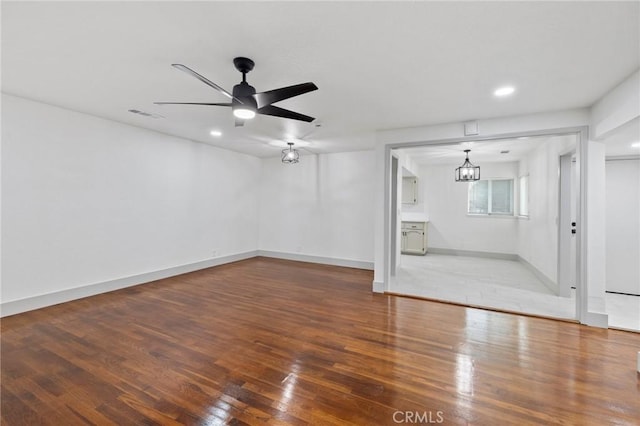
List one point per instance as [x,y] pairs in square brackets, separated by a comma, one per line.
[267,341]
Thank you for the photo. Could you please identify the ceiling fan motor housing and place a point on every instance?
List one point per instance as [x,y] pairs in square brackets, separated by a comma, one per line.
[244,92]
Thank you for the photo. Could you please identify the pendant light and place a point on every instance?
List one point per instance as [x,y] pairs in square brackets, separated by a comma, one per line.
[467,172]
[290,155]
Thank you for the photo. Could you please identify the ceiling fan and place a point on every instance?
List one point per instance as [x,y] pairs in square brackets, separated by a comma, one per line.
[245,102]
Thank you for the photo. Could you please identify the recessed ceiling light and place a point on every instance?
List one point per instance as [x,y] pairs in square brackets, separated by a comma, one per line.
[216,133]
[504,91]
[635,145]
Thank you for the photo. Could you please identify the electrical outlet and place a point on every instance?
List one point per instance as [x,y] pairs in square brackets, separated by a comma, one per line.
[214,253]
[299,249]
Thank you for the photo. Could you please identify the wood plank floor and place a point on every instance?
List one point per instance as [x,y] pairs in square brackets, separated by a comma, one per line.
[267,341]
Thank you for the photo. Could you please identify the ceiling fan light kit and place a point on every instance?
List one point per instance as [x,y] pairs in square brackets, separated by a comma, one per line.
[244,113]
[290,155]
[245,102]
[467,172]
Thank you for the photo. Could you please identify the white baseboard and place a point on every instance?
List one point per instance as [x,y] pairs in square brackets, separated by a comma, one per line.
[378,287]
[548,282]
[596,319]
[36,302]
[473,253]
[349,263]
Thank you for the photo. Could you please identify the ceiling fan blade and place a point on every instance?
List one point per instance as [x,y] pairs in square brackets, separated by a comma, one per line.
[284,113]
[275,95]
[227,104]
[204,80]
[239,122]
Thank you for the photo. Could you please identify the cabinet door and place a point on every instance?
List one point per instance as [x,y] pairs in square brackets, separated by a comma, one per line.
[409,190]
[415,241]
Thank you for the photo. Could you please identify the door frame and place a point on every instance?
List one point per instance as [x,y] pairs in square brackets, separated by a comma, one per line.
[582,136]
[395,166]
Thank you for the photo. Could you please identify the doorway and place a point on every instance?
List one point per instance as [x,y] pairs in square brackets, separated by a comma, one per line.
[516,259]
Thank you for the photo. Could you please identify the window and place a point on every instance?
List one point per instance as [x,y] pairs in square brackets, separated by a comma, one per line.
[479,197]
[523,196]
[491,197]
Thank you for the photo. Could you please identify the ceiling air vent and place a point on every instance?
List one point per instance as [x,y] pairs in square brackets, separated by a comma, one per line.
[145,114]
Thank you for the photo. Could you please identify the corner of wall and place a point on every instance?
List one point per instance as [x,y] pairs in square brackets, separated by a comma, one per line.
[616,107]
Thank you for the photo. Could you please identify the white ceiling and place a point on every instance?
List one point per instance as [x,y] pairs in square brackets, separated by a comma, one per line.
[618,144]
[378,65]
[481,152]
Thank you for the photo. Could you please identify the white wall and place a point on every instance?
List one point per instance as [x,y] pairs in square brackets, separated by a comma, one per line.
[538,235]
[617,107]
[450,227]
[322,206]
[87,200]
[405,161]
[596,244]
[623,225]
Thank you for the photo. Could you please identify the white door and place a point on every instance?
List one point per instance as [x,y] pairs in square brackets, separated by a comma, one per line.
[567,227]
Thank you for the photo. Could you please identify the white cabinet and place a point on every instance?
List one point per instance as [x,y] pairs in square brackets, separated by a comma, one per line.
[414,237]
[409,190]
